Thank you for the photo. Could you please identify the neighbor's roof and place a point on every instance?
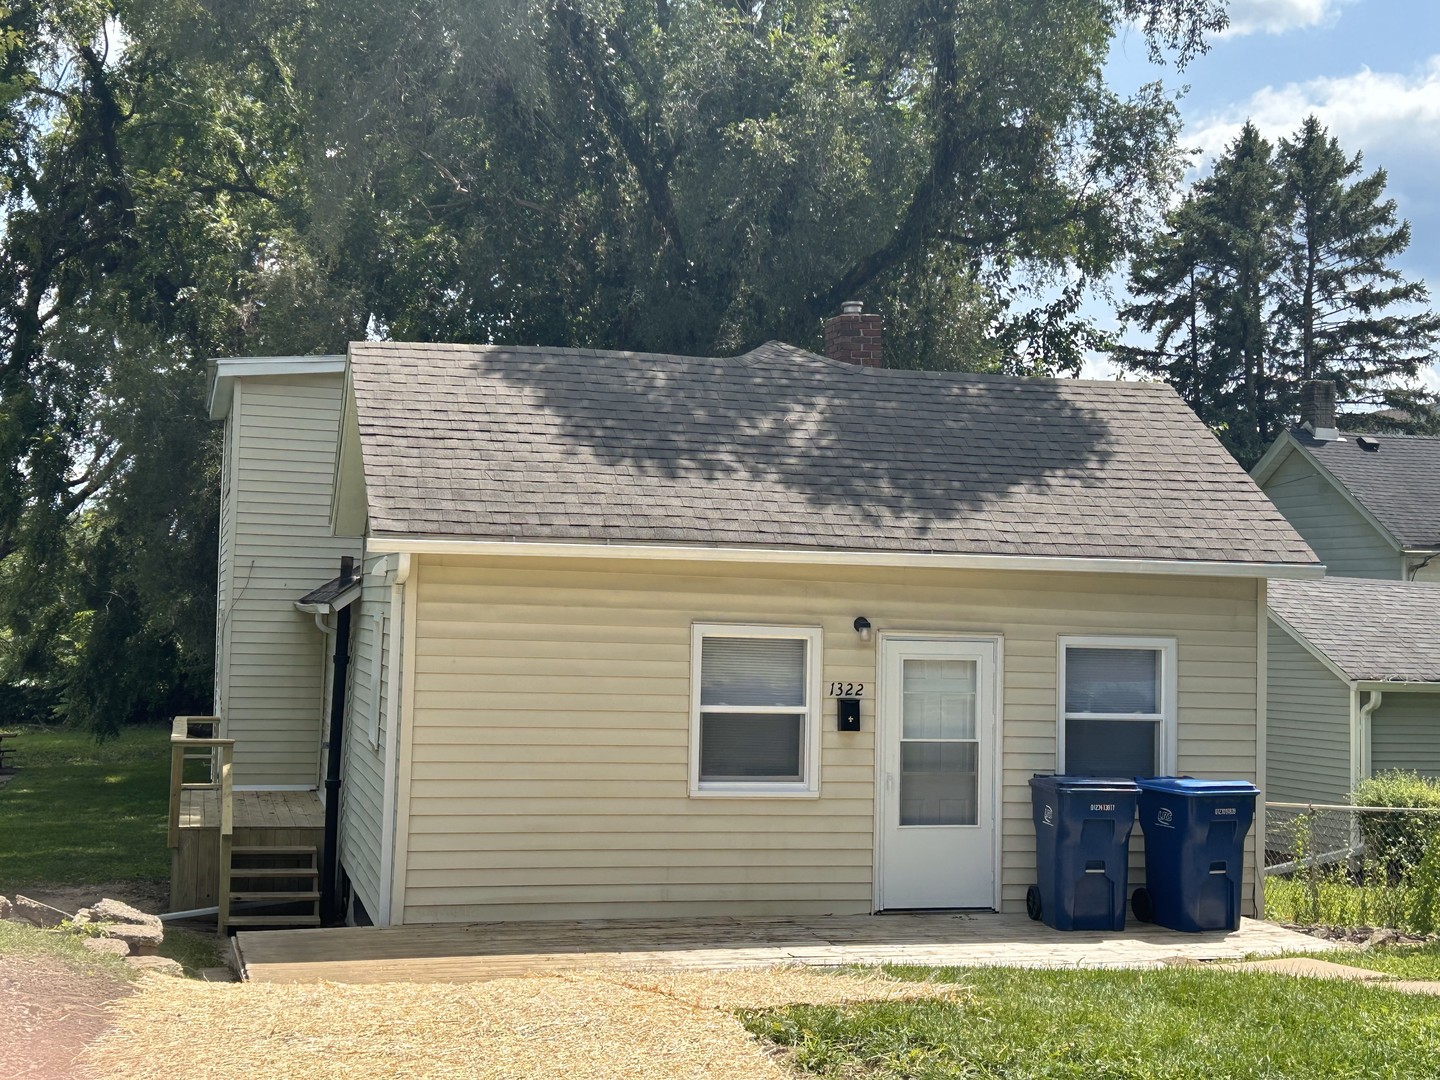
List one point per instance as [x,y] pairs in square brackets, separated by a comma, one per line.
[781,447]
[1373,630]
[1398,483]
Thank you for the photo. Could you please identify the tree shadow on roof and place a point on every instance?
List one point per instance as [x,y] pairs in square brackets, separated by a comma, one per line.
[902,451]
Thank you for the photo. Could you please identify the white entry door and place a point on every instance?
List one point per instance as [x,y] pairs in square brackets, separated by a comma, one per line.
[936,731]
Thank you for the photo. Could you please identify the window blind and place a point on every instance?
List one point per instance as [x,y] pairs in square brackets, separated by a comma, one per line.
[752,671]
[1112,681]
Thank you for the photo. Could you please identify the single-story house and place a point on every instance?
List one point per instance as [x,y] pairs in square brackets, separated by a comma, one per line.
[1354,684]
[1369,505]
[778,633]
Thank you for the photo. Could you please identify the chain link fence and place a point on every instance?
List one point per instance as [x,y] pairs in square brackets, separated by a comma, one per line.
[1330,865]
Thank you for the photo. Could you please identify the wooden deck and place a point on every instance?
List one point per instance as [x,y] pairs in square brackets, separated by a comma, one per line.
[480,951]
[200,809]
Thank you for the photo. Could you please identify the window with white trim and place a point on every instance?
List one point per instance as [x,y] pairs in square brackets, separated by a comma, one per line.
[755,705]
[1117,706]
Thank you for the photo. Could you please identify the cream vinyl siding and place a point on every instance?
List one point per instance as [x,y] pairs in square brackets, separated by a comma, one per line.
[1307,755]
[551,718]
[1347,544]
[225,568]
[286,430]
[1405,732]
[362,793]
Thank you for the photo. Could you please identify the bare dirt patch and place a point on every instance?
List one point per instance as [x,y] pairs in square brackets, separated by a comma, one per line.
[612,1025]
[49,1012]
[151,897]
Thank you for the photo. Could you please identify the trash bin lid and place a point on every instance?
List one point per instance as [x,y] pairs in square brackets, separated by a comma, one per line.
[1188,785]
[1084,783]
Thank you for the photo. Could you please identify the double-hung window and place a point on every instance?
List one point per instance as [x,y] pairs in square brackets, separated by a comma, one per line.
[755,724]
[1117,706]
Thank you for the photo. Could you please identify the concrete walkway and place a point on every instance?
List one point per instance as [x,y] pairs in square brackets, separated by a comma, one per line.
[481,951]
[1306,967]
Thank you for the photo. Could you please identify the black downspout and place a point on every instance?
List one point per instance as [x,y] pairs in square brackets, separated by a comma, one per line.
[329,865]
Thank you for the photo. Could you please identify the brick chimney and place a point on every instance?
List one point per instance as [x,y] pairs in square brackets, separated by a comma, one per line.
[1317,410]
[853,336]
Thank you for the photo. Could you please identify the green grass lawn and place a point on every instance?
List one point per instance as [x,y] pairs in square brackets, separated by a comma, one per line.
[78,812]
[1126,1025]
[1403,961]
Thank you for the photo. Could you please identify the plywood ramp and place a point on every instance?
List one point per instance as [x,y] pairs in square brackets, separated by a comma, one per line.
[481,951]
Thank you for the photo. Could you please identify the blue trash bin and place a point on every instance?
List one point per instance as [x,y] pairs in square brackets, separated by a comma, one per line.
[1082,851]
[1194,851]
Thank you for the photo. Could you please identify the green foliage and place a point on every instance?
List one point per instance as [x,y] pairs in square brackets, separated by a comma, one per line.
[1419,962]
[78,812]
[1156,1025]
[183,179]
[1399,842]
[1275,269]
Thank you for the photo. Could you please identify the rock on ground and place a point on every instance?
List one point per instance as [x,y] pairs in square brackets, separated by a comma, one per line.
[106,946]
[36,913]
[117,912]
[5,908]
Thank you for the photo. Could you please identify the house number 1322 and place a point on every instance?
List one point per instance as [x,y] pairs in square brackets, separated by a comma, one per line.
[847,689]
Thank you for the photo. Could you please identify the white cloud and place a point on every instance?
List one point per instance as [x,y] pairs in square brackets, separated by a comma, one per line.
[1369,111]
[1278,16]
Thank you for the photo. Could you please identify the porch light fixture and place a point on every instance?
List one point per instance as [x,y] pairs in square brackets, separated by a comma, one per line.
[862,627]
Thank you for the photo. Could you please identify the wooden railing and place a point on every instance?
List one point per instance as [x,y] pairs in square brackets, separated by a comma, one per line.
[196,739]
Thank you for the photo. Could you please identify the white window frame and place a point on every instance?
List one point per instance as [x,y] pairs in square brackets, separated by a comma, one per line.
[808,786]
[1167,726]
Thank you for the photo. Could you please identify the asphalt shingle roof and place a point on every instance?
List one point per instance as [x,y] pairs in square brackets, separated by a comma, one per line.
[1399,483]
[1372,630]
[780,447]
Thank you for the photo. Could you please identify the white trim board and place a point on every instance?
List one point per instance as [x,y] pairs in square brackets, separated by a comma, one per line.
[227,369]
[938,560]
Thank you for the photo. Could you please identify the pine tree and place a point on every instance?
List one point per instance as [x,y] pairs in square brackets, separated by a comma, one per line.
[1274,269]
[1337,287]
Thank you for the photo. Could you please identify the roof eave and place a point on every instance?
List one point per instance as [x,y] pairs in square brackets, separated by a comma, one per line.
[422,545]
[226,369]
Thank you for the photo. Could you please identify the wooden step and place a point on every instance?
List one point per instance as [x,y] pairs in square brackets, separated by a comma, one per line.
[288,897]
[274,871]
[299,849]
[273,920]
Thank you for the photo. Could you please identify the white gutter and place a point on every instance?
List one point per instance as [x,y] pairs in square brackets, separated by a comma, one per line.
[1364,719]
[810,556]
[392,739]
[1403,686]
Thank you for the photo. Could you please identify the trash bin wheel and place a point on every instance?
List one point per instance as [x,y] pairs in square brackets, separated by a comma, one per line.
[1143,905]
[1032,902]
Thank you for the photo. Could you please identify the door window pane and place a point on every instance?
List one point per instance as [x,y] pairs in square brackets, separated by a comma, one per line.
[749,746]
[1123,748]
[939,699]
[939,783]
[752,671]
[1125,681]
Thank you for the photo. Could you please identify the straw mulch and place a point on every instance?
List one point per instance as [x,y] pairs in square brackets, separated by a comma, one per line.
[617,1025]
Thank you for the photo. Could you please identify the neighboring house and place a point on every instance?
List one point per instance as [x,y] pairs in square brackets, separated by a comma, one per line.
[613,612]
[1369,505]
[1354,684]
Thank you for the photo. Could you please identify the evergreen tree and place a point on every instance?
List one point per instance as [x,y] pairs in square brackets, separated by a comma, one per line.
[1337,289]
[1275,269]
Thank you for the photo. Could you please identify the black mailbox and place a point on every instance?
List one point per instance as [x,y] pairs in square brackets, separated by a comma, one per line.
[847,714]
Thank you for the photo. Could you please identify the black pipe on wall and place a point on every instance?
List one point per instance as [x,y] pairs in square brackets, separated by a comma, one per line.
[330,903]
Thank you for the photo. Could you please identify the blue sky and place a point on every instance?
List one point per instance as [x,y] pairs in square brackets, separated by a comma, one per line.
[1370,69]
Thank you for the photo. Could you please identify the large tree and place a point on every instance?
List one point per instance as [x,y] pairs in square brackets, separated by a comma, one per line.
[1277,268]
[190,178]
